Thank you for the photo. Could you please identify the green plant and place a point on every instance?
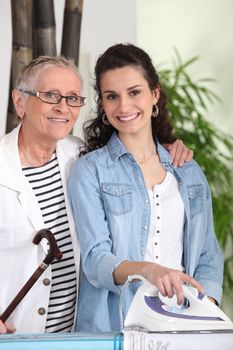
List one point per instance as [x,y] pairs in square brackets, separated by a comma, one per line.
[188,103]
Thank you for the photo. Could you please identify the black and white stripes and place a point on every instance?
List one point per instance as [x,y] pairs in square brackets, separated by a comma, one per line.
[47,185]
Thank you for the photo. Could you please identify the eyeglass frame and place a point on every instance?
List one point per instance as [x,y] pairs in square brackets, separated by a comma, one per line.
[37,94]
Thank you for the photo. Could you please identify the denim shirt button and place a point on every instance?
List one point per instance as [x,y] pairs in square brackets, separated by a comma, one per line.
[146,201]
[145,227]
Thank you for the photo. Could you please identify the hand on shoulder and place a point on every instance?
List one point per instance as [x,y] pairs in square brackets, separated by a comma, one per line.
[179,152]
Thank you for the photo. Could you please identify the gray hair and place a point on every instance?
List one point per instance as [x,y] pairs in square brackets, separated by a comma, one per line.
[27,76]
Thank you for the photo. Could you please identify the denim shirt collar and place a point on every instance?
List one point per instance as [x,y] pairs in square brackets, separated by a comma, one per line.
[164,155]
[116,149]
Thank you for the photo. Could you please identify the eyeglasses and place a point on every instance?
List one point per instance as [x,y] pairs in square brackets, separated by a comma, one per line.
[54,98]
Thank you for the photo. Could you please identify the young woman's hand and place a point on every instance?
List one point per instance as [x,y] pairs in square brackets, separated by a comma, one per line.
[169,281]
[179,152]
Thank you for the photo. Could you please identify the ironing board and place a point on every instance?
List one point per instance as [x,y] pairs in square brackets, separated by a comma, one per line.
[132,340]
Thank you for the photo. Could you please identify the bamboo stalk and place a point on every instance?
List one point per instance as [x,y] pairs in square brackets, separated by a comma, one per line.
[22,47]
[44,28]
[72,29]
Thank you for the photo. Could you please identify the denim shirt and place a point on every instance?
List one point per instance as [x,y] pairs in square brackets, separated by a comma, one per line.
[111,208]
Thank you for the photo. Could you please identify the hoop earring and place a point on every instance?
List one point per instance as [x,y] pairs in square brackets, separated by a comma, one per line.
[155,111]
[21,116]
[105,119]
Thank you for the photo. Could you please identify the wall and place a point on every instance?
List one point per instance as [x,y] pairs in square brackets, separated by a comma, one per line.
[194,28]
[5,60]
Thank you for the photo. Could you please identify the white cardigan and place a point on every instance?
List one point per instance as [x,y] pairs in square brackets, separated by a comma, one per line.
[20,219]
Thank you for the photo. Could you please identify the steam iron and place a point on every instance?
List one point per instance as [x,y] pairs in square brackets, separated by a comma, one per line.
[152,312]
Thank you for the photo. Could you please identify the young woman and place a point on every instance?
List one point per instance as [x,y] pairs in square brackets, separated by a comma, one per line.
[134,211]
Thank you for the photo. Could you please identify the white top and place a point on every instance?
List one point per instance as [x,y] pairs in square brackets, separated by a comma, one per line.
[165,239]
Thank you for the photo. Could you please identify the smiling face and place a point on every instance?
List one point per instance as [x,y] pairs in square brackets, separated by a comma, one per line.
[127,99]
[49,122]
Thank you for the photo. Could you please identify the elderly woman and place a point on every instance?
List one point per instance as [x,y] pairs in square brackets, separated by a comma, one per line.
[36,158]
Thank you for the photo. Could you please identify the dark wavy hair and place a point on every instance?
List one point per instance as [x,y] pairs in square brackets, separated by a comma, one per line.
[96,133]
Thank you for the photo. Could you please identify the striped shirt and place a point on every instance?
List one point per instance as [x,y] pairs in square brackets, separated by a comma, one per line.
[47,185]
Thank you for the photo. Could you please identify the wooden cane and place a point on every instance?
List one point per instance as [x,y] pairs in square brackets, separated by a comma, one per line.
[53,253]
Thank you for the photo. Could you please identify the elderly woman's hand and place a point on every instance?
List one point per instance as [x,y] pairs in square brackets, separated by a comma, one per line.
[179,152]
[6,328]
